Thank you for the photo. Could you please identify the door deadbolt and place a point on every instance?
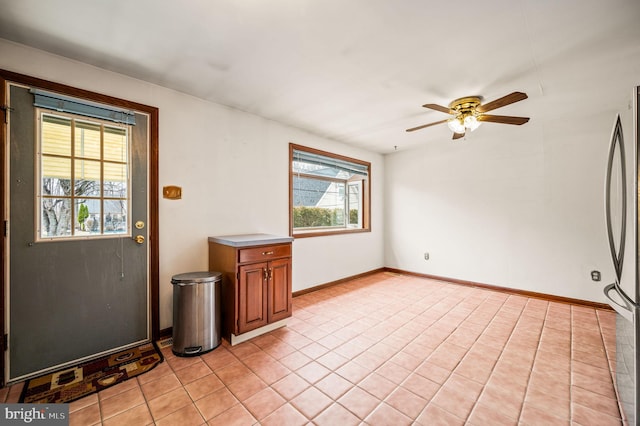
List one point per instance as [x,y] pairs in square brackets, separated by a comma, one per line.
[139,239]
[139,224]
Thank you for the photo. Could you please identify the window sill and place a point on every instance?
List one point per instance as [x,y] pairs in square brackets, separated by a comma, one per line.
[324,233]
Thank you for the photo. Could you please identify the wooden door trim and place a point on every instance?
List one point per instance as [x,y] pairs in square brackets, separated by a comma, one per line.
[3,162]
[154,250]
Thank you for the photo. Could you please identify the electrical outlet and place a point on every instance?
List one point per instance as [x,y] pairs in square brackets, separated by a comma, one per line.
[426,256]
[595,275]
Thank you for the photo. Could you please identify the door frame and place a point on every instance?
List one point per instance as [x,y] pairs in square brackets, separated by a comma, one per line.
[153,231]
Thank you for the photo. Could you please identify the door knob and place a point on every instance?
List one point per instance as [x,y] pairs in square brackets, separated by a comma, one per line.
[139,239]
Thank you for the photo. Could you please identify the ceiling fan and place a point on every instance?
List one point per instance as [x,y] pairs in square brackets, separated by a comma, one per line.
[469,112]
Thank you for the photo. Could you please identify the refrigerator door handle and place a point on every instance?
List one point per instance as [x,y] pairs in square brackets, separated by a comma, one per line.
[617,253]
[625,307]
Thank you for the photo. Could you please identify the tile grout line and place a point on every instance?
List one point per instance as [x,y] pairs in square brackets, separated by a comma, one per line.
[526,390]
[226,386]
[269,386]
[611,372]
[183,386]
[356,385]
[444,297]
[484,385]
[466,353]
[441,343]
[503,304]
[513,329]
[571,348]
[292,371]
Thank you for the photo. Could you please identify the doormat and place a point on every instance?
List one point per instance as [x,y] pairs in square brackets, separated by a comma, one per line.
[84,379]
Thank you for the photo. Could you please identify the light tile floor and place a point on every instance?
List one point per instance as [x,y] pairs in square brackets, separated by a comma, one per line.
[387,349]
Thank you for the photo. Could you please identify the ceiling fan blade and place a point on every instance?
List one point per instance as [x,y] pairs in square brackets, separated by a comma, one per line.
[426,125]
[438,108]
[503,101]
[457,136]
[504,119]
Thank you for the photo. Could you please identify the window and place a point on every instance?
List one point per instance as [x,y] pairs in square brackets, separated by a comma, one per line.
[83,177]
[329,193]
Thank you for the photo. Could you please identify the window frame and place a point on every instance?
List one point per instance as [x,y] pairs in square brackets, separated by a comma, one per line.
[364,212]
[73,157]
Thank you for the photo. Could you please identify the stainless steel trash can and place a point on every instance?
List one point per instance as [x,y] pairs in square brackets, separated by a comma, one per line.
[196,312]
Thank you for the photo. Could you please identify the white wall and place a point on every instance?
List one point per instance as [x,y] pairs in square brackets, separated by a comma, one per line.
[233,170]
[519,207]
[505,207]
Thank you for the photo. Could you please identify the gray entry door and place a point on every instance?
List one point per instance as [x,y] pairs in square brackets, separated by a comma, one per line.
[73,297]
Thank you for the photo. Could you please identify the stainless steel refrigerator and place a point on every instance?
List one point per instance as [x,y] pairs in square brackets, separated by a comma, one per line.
[621,211]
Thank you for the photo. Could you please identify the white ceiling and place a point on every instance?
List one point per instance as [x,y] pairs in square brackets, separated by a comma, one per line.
[356,71]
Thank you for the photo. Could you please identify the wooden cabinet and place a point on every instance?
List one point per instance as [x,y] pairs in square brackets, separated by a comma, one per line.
[256,283]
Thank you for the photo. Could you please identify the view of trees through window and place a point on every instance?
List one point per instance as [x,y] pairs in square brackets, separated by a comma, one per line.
[83,177]
[327,192]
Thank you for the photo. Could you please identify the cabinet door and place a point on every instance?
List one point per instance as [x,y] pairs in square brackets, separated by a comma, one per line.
[252,297]
[279,289]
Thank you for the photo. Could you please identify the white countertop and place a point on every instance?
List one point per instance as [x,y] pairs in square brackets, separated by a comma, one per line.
[244,240]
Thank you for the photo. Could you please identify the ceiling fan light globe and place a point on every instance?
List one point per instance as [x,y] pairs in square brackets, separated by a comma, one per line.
[456,125]
[471,122]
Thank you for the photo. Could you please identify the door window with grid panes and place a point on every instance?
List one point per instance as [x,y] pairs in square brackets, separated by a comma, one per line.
[83,177]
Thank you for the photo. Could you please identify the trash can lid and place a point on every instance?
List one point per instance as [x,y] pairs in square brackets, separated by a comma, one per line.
[196,277]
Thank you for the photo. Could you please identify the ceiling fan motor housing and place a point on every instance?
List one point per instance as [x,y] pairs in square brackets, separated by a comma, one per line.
[465,106]
[465,115]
